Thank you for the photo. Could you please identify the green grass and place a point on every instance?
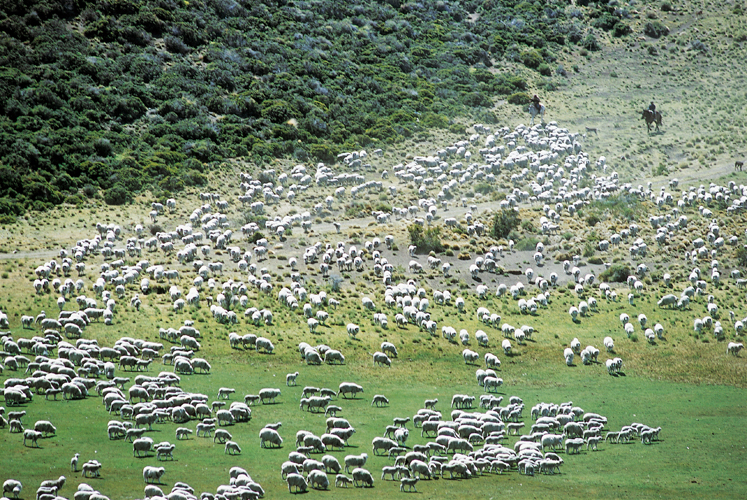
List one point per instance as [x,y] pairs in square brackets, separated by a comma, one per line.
[676,384]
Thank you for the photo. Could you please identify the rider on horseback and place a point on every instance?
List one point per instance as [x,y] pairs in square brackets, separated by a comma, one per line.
[536,103]
[652,108]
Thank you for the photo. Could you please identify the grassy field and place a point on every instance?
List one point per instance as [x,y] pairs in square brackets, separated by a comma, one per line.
[685,382]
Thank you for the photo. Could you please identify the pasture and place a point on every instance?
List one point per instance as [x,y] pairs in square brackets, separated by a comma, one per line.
[683,380]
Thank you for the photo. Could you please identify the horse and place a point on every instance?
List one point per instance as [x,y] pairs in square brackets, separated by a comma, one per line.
[534,112]
[651,117]
[738,165]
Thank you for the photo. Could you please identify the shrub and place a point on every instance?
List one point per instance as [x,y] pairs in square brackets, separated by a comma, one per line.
[527,244]
[154,229]
[655,29]
[427,240]
[666,7]
[544,69]
[592,220]
[519,98]
[531,58]
[588,249]
[590,43]
[504,222]
[117,195]
[742,256]
[617,273]
[621,29]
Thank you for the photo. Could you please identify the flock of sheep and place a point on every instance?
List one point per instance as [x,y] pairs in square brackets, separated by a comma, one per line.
[545,165]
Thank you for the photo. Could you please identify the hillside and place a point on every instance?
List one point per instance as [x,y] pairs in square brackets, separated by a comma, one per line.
[106,98]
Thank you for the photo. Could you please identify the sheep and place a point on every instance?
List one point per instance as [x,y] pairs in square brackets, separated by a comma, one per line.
[506,345]
[409,482]
[388,347]
[232,448]
[734,348]
[268,394]
[609,344]
[362,476]
[32,435]
[353,329]
[290,379]
[355,461]
[568,355]
[45,427]
[12,486]
[381,359]
[342,480]
[270,436]
[297,481]
[349,388]
[379,401]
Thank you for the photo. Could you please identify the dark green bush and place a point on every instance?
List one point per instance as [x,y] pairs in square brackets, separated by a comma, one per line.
[655,29]
[519,98]
[427,240]
[621,29]
[544,69]
[617,273]
[504,222]
[117,195]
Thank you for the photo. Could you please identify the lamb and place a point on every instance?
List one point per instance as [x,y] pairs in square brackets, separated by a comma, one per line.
[232,448]
[74,463]
[222,436]
[568,355]
[409,482]
[379,401]
[296,481]
[270,436]
[506,345]
[183,433]
[342,480]
[430,404]
[31,435]
[592,442]
[290,379]
[362,476]
[355,461]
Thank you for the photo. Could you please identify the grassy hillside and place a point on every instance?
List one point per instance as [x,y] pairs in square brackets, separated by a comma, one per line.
[105,98]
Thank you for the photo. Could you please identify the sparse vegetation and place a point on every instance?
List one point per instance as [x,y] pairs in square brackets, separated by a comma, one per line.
[503,223]
[427,240]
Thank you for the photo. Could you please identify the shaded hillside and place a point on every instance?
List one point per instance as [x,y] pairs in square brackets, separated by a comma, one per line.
[113,96]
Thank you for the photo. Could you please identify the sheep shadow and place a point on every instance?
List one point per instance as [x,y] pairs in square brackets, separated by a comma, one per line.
[477,278]
[621,374]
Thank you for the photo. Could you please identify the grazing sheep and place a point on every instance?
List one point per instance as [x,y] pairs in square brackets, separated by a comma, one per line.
[296,481]
[342,480]
[32,435]
[12,486]
[232,448]
[379,401]
[362,476]
[269,436]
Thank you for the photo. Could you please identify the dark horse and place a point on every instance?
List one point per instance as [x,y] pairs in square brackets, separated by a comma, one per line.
[651,117]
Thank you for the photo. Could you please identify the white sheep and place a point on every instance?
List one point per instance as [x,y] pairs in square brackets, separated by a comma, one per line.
[362,476]
[153,474]
[232,448]
[609,344]
[290,379]
[381,359]
[269,436]
[568,355]
[296,481]
[506,344]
